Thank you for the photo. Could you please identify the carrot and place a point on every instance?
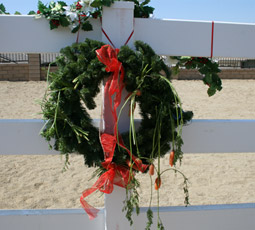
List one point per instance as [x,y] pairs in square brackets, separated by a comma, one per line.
[138,162]
[132,165]
[151,170]
[171,158]
[157,183]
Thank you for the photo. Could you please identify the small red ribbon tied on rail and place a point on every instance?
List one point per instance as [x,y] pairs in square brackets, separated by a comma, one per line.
[115,174]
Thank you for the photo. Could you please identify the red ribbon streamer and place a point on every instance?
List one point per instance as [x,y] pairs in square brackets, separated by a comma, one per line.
[108,38]
[115,174]
[212,39]
[78,33]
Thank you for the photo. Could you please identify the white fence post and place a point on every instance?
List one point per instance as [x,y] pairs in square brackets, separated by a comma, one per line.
[114,217]
[117,27]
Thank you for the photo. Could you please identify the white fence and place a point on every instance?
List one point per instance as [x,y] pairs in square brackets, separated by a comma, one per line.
[167,37]
[200,136]
[220,217]
[22,137]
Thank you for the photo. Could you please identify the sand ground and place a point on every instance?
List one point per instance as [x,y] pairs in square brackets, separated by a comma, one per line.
[34,182]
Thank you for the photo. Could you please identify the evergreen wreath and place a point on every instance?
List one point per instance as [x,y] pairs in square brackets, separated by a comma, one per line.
[72,90]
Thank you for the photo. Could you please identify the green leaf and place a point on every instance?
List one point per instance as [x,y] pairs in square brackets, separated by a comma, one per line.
[52,4]
[75,29]
[62,3]
[175,70]
[107,2]
[149,218]
[52,25]
[149,9]
[96,3]
[211,91]
[204,70]
[136,2]
[184,59]
[208,78]
[215,67]
[64,21]
[86,26]
[41,6]
[31,12]
[145,2]
[46,12]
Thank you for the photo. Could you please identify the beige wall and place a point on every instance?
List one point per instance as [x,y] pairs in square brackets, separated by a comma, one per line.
[225,74]
[34,66]
[31,71]
[14,72]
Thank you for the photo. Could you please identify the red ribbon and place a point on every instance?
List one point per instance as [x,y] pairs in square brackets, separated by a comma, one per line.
[108,38]
[114,85]
[212,37]
[78,33]
[115,174]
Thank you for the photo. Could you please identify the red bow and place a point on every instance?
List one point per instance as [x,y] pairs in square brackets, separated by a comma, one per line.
[115,174]
[114,85]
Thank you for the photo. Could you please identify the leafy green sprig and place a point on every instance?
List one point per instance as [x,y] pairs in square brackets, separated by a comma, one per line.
[77,14]
[131,202]
[206,66]
[142,10]
[54,12]
[59,14]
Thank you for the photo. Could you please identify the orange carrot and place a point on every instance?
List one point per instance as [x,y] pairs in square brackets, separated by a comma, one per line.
[130,165]
[151,170]
[138,162]
[171,158]
[157,183]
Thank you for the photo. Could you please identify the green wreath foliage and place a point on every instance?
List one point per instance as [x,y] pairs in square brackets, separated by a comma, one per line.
[72,89]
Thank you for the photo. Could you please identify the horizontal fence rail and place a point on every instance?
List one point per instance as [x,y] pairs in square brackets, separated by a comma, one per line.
[200,136]
[194,38]
[62,219]
[30,35]
[206,217]
[232,40]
